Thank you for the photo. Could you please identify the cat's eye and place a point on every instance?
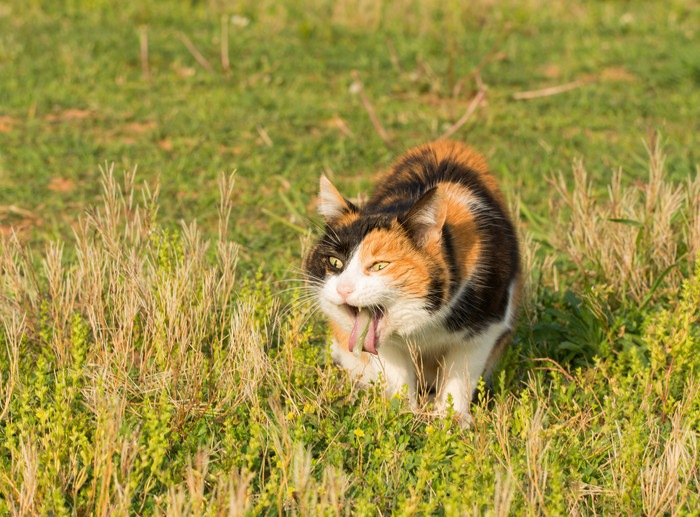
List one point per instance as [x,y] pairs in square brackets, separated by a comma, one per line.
[335,262]
[378,266]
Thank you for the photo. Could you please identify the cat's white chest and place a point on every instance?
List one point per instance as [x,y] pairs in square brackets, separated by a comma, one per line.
[430,354]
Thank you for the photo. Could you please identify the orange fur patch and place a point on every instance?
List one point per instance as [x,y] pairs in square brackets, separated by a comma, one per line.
[346,219]
[407,267]
[463,155]
[466,239]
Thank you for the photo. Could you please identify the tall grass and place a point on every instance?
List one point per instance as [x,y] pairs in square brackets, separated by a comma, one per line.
[638,236]
[141,373]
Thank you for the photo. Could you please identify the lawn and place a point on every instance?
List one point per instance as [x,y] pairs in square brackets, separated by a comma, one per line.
[159,163]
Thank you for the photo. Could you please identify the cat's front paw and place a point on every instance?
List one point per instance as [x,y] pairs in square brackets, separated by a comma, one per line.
[362,367]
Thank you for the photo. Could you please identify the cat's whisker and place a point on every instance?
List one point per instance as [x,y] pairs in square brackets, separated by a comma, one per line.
[305,318]
[297,304]
[304,298]
[295,289]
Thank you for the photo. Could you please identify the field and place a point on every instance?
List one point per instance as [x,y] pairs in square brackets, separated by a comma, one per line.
[159,162]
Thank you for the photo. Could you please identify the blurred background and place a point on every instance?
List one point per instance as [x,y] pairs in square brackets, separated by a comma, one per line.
[280,91]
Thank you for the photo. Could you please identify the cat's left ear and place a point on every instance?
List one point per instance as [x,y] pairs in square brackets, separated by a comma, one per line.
[425,219]
[332,204]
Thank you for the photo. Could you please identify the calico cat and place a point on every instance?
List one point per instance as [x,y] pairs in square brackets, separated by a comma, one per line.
[421,284]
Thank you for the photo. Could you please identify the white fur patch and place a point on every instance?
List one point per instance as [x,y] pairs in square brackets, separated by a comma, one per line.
[408,327]
[331,203]
[365,290]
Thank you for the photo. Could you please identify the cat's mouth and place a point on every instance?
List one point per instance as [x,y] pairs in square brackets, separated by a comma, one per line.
[365,329]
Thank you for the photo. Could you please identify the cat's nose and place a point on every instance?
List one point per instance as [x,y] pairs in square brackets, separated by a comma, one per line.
[345,290]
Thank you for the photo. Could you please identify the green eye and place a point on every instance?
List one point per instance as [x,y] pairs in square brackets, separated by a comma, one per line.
[335,262]
[378,266]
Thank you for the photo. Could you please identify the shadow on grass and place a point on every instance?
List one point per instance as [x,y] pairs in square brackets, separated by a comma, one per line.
[564,331]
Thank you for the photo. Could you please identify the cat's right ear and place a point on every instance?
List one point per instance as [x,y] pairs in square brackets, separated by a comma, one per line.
[427,217]
[332,204]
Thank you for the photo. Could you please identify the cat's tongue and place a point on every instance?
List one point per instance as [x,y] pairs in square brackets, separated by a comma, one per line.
[363,333]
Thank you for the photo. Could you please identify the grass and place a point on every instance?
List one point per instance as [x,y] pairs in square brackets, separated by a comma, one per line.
[150,365]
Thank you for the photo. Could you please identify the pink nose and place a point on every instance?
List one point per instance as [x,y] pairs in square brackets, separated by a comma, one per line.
[345,290]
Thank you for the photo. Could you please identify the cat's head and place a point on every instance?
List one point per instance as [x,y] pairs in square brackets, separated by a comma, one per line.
[378,272]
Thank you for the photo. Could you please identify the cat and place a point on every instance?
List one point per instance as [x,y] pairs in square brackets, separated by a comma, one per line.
[421,284]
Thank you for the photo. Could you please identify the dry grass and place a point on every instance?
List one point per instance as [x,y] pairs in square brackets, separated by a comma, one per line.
[146,324]
[140,375]
[671,465]
[138,312]
[637,237]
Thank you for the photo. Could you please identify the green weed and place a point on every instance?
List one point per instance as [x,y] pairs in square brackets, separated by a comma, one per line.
[154,366]
[152,380]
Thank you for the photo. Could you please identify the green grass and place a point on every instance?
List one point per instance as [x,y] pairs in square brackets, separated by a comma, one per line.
[152,367]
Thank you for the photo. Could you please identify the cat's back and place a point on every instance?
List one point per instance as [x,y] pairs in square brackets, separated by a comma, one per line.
[429,165]
[478,245]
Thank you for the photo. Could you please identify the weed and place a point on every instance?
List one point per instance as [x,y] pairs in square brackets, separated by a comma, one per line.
[151,379]
[154,367]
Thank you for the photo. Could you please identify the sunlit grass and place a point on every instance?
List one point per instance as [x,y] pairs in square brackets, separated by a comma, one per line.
[143,376]
[151,364]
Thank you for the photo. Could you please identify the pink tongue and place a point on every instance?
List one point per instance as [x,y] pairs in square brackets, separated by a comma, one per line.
[370,344]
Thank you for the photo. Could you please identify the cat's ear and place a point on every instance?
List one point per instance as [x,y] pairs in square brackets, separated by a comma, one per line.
[332,204]
[424,221]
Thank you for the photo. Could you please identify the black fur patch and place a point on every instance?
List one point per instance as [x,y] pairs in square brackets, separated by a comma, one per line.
[448,250]
[341,242]
[436,293]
